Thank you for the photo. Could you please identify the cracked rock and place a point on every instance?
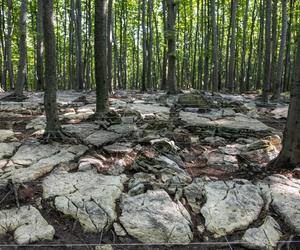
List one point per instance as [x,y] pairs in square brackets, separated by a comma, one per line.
[6,134]
[265,237]
[154,218]
[27,224]
[231,206]
[8,149]
[286,199]
[88,197]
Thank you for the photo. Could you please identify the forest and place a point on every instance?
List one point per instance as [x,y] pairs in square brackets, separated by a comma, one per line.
[150,124]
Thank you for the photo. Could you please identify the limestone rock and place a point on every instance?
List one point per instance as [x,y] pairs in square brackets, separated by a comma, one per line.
[8,149]
[88,197]
[265,237]
[231,206]
[6,134]
[194,194]
[118,148]
[104,247]
[102,137]
[286,199]
[154,218]
[27,224]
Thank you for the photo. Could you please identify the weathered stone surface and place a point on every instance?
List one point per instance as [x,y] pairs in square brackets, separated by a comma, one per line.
[104,247]
[34,160]
[88,197]
[118,148]
[27,224]
[126,129]
[81,130]
[154,218]
[101,137]
[281,112]
[152,111]
[265,237]
[194,193]
[286,199]
[225,162]
[6,134]
[228,127]
[8,149]
[230,206]
[193,100]
[37,123]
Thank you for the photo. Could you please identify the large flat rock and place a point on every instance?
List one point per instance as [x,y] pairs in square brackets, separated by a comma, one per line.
[154,218]
[27,225]
[6,134]
[8,149]
[230,206]
[286,199]
[88,197]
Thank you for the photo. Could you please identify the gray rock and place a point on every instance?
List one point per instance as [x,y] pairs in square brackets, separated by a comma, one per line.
[119,230]
[104,247]
[81,130]
[194,194]
[8,149]
[6,134]
[124,129]
[102,137]
[27,224]
[154,218]
[118,148]
[265,237]
[231,206]
[286,199]
[225,162]
[88,197]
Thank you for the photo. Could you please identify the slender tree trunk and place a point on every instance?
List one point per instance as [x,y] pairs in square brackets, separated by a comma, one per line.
[242,77]
[165,54]
[65,47]
[22,68]
[137,80]
[79,69]
[278,80]
[109,44]
[232,46]
[144,73]
[171,20]
[150,43]
[194,67]
[9,65]
[39,47]
[267,64]
[53,126]
[101,13]
[72,83]
[290,154]
[274,44]
[260,46]
[215,47]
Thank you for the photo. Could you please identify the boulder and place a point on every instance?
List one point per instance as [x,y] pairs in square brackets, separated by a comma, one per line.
[154,218]
[6,134]
[286,199]
[27,225]
[230,206]
[88,197]
[265,237]
[102,137]
[8,149]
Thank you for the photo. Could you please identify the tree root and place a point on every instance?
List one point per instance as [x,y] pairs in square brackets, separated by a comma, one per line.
[58,136]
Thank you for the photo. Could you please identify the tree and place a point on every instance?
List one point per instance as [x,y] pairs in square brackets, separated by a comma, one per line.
[232,45]
[109,44]
[101,13]
[215,47]
[278,79]
[289,156]
[267,63]
[22,68]
[53,126]
[171,34]
[79,69]
[39,46]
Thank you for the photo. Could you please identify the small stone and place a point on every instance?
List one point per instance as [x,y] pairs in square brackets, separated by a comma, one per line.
[119,230]
[264,237]
[6,134]
[136,190]
[201,229]
[104,247]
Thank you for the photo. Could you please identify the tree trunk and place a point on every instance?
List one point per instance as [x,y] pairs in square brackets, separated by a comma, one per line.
[171,31]
[150,42]
[101,13]
[260,45]
[242,77]
[79,69]
[39,47]
[267,65]
[22,67]
[53,126]
[232,46]
[274,44]
[215,47]
[109,44]
[165,56]
[278,80]
[290,154]
[144,70]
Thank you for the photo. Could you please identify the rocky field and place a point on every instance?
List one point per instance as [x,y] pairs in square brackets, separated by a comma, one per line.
[180,172]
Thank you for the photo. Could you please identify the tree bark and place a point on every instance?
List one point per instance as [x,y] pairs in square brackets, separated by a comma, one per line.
[109,44]
[79,69]
[290,154]
[232,46]
[171,33]
[39,47]
[22,67]
[53,125]
[260,46]
[267,64]
[215,47]
[101,13]
[278,80]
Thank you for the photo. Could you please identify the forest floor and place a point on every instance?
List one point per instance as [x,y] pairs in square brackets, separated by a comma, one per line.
[157,172]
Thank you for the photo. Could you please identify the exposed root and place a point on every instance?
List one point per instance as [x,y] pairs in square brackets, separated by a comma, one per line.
[58,136]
